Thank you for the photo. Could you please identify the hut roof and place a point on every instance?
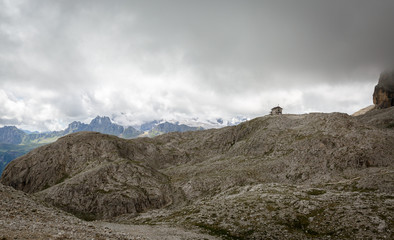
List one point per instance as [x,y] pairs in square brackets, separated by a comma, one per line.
[276,108]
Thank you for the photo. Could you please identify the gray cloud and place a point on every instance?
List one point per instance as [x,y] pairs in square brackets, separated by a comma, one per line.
[71,60]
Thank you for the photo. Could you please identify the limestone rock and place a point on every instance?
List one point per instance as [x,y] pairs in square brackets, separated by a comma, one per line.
[383,96]
[91,175]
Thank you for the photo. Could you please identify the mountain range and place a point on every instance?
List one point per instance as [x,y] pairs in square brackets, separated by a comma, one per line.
[15,142]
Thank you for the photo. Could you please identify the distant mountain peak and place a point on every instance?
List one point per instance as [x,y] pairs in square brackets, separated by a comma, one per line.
[11,135]
[101,121]
[10,128]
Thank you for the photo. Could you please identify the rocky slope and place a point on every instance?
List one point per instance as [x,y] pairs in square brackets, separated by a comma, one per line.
[301,149]
[278,211]
[380,118]
[96,171]
[300,175]
[363,111]
[9,152]
[23,216]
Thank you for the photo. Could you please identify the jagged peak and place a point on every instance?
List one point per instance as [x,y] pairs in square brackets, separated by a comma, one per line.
[10,128]
[101,120]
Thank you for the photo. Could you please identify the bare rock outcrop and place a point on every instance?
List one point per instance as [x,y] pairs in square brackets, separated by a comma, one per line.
[288,149]
[383,96]
[91,175]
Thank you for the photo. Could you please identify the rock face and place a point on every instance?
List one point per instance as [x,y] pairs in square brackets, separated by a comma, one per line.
[104,125]
[290,170]
[383,96]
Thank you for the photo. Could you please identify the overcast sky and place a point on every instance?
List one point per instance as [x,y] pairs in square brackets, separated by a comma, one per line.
[136,61]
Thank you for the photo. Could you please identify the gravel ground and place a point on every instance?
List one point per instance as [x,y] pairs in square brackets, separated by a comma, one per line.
[155,232]
[24,217]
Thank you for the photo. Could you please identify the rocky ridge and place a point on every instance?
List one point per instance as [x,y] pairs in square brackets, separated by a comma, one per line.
[300,174]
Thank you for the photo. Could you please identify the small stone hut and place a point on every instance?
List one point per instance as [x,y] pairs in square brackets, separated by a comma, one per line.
[276,111]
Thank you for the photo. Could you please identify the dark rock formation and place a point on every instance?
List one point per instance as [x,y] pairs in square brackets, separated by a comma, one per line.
[383,96]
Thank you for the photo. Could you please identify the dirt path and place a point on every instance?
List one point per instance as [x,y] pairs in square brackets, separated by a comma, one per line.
[156,232]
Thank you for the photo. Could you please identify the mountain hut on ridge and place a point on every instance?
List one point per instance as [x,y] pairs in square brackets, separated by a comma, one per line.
[276,111]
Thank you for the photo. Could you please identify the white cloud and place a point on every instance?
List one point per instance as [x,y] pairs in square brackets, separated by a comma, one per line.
[72,60]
